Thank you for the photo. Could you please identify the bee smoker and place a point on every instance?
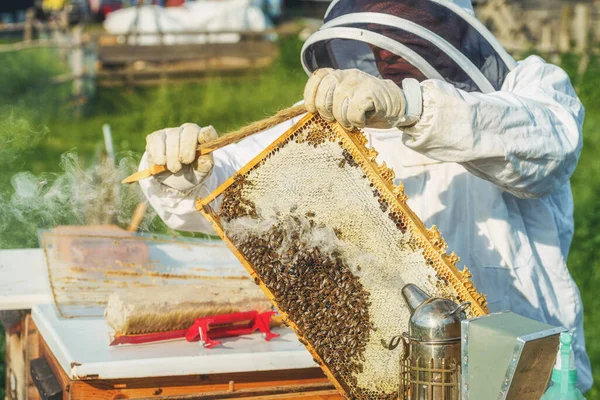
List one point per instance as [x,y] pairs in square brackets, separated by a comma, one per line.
[430,363]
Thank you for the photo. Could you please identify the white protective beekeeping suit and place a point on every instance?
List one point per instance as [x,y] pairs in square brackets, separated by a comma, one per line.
[488,162]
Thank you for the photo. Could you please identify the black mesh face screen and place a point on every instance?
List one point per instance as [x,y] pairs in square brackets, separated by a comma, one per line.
[439,60]
[466,38]
[348,54]
[394,67]
[341,54]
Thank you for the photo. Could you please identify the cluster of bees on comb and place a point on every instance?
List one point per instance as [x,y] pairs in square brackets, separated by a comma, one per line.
[317,291]
[319,294]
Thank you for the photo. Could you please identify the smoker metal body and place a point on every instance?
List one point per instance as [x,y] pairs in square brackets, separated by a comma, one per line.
[430,364]
[429,378]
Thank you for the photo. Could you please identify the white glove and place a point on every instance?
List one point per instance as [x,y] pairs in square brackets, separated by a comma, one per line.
[357,99]
[176,148]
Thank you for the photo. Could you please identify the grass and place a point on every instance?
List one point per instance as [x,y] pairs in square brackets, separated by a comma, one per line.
[38,121]
[583,258]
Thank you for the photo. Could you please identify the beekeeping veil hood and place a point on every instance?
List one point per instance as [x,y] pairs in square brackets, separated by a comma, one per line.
[398,39]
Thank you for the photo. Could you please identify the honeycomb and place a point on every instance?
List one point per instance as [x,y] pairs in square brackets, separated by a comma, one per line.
[328,237]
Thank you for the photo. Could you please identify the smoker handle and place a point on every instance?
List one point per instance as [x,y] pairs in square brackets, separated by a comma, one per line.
[461,308]
[46,383]
[394,342]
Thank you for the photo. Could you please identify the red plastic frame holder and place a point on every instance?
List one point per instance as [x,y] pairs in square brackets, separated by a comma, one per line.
[233,326]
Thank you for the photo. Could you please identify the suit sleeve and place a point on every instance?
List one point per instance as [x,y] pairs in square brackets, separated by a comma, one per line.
[177,209]
[525,138]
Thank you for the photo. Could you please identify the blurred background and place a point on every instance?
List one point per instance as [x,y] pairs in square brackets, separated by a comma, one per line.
[82,82]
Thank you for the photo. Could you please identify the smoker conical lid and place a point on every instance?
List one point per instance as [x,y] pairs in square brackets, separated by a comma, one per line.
[437,319]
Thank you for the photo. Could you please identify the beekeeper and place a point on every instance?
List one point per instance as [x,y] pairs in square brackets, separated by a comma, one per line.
[485,146]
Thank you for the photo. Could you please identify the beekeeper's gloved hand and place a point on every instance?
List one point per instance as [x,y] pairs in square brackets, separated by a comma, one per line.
[176,148]
[357,99]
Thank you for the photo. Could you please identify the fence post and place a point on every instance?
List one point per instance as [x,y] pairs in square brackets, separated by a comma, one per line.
[583,27]
[77,62]
[564,35]
[546,40]
[29,16]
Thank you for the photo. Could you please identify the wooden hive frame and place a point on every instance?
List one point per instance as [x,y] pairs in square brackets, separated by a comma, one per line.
[382,177]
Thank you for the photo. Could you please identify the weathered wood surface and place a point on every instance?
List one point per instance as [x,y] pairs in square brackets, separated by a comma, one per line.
[309,384]
[21,347]
[126,53]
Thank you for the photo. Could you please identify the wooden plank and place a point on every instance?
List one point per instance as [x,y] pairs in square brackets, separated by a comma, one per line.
[45,380]
[18,356]
[266,394]
[323,395]
[206,386]
[162,53]
[180,72]
[14,368]
[32,351]
[220,64]
[142,81]
[81,390]
[108,39]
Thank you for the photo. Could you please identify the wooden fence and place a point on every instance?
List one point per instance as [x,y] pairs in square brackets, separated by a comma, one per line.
[546,26]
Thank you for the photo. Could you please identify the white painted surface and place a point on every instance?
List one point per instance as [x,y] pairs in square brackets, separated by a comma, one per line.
[82,348]
[23,279]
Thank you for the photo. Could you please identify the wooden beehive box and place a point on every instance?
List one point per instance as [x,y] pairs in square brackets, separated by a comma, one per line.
[322,229]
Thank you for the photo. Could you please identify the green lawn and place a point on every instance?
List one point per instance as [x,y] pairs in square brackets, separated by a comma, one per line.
[583,258]
[39,124]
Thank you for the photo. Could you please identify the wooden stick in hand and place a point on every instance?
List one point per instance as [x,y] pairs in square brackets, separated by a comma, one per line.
[226,139]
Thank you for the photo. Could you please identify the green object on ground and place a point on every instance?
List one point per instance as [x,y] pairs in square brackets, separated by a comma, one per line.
[564,378]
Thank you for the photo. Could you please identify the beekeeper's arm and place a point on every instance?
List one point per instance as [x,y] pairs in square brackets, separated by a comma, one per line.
[173,193]
[525,138]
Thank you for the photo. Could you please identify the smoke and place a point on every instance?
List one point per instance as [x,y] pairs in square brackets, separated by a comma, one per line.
[77,196]
[17,136]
